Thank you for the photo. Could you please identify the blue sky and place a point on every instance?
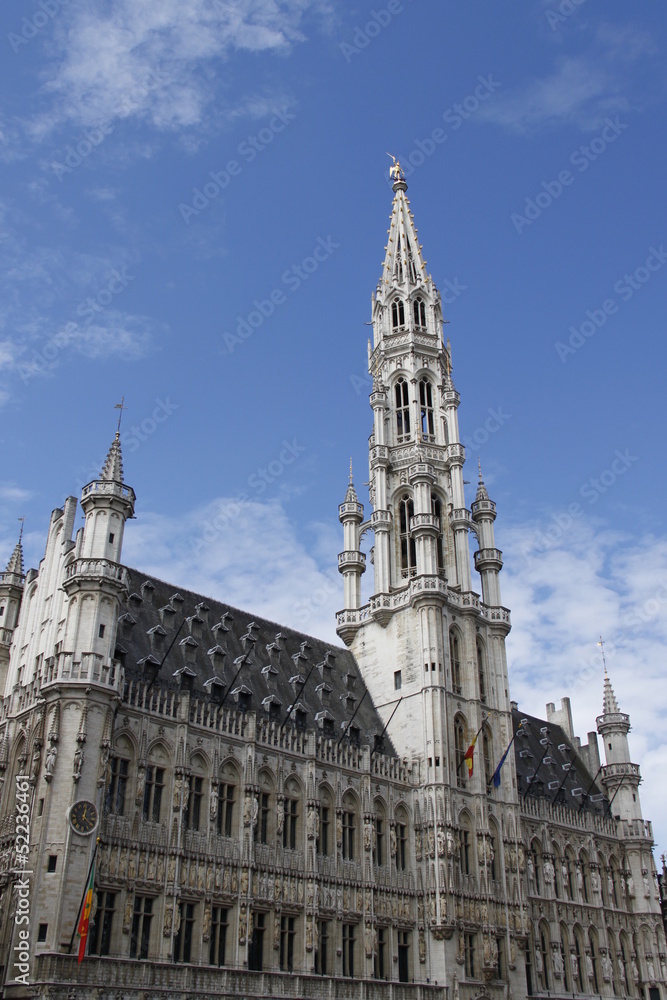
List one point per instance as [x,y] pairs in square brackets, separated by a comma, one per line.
[169,171]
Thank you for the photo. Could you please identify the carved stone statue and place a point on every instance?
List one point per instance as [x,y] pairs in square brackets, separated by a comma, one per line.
[607,970]
[51,755]
[78,763]
[311,822]
[441,843]
[548,872]
[206,923]
[539,964]
[557,963]
[141,785]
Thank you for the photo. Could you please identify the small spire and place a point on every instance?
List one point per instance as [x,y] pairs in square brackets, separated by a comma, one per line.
[112,470]
[351,494]
[120,406]
[15,564]
[481,488]
[609,703]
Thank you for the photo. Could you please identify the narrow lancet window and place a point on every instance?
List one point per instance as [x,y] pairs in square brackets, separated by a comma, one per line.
[402,410]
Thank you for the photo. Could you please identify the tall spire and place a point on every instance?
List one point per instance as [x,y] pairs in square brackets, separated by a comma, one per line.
[481,486]
[112,470]
[15,564]
[404,264]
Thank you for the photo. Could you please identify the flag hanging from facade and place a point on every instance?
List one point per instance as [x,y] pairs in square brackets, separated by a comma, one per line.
[496,773]
[469,754]
[85,913]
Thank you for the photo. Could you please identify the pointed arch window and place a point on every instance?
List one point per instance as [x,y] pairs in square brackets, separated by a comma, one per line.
[481,671]
[402,396]
[426,409]
[397,314]
[455,660]
[407,542]
[460,749]
[487,746]
[436,510]
[419,312]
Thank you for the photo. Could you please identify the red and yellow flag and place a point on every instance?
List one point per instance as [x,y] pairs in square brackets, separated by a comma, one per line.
[85,913]
[469,754]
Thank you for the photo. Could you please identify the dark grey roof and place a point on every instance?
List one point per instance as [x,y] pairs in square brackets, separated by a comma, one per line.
[534,738]
[223,652]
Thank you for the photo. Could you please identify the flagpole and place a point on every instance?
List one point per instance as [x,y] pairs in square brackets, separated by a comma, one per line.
[502,759]
[583,800]
[83,897]
[472,744]
[534,775]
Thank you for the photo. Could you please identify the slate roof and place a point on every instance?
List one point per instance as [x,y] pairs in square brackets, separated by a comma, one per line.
[534,737]
[282,667]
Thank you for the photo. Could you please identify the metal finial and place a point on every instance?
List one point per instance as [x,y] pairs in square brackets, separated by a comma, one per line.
[601,645]
[479,468]
[22,520]
[120,406]
[351,472]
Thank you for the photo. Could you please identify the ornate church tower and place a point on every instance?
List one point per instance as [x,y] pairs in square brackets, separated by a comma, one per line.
[11,592]
[431,651]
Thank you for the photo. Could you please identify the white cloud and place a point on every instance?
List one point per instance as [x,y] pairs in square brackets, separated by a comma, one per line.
[581,91]
[154,62]
[246,554]
[11,492]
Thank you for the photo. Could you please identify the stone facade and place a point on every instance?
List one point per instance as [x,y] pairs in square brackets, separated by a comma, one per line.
[271,815]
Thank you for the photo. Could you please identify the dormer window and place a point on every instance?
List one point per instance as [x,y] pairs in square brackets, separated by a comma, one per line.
[402,397]
[426,409]
[419,312]
[397,314]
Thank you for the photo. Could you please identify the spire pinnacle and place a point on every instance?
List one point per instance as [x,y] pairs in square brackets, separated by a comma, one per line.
[351,494]
[481,486]
[112,470]
[404,264]
[609,703]
[15,564]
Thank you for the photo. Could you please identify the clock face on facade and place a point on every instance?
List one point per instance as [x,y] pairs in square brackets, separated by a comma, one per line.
[83,816]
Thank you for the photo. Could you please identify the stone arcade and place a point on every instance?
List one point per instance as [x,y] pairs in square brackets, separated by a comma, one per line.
[276,816]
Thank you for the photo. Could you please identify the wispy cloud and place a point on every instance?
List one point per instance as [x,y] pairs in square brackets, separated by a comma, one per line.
[581,91]
[11,493]
[155,62]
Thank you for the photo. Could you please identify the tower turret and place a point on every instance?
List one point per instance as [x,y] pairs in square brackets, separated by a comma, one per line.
[620,777]
[351,561]
[488,559]
[11,593]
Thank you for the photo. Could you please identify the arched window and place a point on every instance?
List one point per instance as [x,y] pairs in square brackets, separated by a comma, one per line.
[481,672]
[291,815]
[545,954]
[436,510]
[612,965]
[565,958]
[402,842]
[426,409]
[584,879]
[465,855]
[535,862]
[397,314]
[578,964]
[325,819]
[487,747]
[408,548]
[380,823]
[460,748]
[419,312]
[348,828]
[627,980]
[595,959]
[455,660]
[402,397]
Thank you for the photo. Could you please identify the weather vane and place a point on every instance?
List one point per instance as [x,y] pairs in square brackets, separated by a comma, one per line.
[120,406]
[22,520]
[601,645]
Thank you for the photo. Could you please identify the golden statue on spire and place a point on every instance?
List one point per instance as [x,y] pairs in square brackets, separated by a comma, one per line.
[395,170]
